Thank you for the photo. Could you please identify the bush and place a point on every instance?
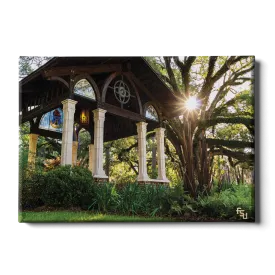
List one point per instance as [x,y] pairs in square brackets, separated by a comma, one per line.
[225,203]
[31,187]
[67,186]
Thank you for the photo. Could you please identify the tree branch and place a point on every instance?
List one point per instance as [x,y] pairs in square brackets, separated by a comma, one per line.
[211,66]
[165,78]
[186,74]
[179,63]
[171,75]
[248,122]
[232,154]
[223,90]
[229,143]
[226,66]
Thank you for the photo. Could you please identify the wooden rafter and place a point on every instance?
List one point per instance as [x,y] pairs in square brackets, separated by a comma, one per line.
[61,71]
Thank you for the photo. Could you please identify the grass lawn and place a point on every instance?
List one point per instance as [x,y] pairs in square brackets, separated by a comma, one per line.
[66,216]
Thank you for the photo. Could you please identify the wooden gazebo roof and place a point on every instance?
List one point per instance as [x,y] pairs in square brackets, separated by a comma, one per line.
[45,88]
[145,75]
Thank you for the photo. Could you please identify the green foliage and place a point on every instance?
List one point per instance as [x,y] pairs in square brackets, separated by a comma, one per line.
[28,64]
[84,139]
[105,197]
[130,199]
[23,162]
[225,203]
[152,173]
[31,187]
[67,186]
[123,160]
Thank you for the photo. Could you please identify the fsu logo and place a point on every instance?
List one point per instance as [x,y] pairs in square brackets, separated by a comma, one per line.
[56,119]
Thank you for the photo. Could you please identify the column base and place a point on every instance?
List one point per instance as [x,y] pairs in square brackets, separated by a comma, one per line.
[163,180]
[154,181]
[144,178]
[100,179]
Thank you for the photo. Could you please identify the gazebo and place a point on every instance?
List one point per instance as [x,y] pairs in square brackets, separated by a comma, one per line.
[110,97]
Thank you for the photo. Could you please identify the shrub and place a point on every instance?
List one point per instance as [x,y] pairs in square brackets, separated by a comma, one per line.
[30,190]
[225,203]
[67,186]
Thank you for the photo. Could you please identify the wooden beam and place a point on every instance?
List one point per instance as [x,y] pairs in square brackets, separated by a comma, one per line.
[121,112]
[101,68]
[141,85]
[56,78]
[162,105]
[46,133]
[43,109]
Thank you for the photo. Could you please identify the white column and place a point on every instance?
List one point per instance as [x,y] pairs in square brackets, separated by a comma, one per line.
[99,118]
[67,132]
[74,152]
[161,155]
[32,150]
[91,157]
[142,165]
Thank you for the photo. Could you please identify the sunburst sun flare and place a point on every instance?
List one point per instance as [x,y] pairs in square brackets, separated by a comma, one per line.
[192,103]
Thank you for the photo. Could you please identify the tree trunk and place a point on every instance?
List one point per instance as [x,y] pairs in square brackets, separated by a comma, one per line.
[237,175]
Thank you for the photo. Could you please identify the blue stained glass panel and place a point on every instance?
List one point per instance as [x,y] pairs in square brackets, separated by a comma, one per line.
[52,121]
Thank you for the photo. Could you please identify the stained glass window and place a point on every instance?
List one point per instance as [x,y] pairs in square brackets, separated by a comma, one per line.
[151,113]
[84,88]
[52,121]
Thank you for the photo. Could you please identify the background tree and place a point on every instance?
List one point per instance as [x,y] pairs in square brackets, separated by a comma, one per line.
[221,90]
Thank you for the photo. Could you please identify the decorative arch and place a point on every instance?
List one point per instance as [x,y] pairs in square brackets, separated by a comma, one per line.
[111,77]
[60,79]
[86,128]
[107,83]
[151,112]
[52,121]
[92,83]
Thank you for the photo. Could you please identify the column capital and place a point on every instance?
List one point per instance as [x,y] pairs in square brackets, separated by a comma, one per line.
[99,110]
[141,123]
[68,101]
[160,130]
[141,126]
[99,113]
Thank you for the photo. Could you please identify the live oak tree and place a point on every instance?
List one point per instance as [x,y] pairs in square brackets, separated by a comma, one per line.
[222,88]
